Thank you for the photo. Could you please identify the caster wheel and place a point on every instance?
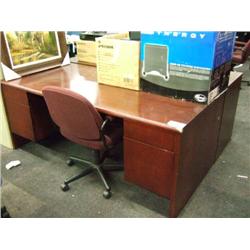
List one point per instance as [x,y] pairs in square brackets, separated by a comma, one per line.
[70,162]
[107,194]
[64,187]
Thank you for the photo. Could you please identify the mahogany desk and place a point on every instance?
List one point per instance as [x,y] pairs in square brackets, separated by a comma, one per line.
[169,145]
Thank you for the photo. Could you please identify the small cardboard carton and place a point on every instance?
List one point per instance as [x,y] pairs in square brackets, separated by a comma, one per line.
[118,61]
[86,52]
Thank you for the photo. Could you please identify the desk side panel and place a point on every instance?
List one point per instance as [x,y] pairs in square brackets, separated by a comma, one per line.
[198,146]
[229,111]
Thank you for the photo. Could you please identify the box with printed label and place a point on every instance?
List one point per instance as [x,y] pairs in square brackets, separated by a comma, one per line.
[118,61]
[187,65]
[86,52]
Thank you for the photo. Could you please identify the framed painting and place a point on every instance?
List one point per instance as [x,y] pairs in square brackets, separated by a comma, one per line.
[27,52]
[27,48]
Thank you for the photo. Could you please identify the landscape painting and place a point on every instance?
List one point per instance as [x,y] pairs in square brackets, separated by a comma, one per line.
[31,47]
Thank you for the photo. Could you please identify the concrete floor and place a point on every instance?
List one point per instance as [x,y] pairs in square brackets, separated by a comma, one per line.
[33,189]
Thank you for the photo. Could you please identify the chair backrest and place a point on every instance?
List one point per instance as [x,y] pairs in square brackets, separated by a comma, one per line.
[73,113]
[247,50]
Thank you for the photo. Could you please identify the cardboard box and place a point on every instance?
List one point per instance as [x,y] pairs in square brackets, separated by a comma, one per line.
[187,65]
[86,52]
[118,61]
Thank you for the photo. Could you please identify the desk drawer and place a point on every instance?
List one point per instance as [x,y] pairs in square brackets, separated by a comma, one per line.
[20,120]
[14,94]
[148,167]
[155,136]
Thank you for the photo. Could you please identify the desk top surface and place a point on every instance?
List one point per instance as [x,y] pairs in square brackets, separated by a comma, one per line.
[137,105]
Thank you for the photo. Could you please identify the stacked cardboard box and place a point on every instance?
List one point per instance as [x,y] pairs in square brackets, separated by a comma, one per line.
[188,65]
[118,61]
[86,52]
[86,47]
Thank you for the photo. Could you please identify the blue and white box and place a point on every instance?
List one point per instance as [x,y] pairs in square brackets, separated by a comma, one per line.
[188,65]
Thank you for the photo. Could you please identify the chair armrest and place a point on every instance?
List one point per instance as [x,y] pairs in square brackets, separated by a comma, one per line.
[239,43]
[238,48]
[111,118]
[104,124]
[102,130]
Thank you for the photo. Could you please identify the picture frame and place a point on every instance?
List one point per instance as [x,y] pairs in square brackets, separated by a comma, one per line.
[27,48]
[30,52]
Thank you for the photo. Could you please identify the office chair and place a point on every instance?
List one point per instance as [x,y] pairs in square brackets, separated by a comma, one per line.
[243,36]
[240,55]
[80,122]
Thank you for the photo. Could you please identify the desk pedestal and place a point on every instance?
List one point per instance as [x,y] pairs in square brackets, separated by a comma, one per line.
[28,116]
[173,164]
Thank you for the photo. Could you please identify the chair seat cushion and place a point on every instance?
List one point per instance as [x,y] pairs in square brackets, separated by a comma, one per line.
[112,136]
